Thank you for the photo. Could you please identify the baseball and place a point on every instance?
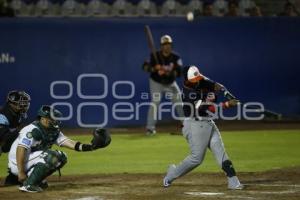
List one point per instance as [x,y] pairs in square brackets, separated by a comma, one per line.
[190,16]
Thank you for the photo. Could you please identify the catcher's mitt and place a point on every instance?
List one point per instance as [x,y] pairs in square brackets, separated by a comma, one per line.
[101,138]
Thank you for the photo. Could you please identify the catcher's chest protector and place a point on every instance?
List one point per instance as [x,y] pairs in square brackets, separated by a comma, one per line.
[46,137]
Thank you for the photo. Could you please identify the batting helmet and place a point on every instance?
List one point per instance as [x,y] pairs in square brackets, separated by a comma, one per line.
[192,74]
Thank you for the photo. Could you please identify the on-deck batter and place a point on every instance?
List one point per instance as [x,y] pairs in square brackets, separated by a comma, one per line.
[162,80]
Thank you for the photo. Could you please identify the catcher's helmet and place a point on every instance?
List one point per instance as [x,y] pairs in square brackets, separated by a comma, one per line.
[166,39]
[20,100]
[49,112]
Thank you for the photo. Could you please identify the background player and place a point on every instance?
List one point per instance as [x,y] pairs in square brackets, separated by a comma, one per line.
[199,94]
[31,157]
[12,115]
[162,79]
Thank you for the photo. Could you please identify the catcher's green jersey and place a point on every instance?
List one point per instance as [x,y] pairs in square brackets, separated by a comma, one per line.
[36,138]
[45,137]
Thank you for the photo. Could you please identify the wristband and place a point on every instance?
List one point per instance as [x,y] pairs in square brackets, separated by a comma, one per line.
[87,147]
[83,147]
[77,146]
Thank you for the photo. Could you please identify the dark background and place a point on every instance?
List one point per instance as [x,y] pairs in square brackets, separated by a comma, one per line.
[256,58]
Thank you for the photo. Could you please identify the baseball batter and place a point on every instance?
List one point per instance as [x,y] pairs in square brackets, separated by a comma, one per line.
[199,94]
[162,80]
[31,157]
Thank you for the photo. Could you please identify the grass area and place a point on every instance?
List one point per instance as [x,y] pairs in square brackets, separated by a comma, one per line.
[135,153]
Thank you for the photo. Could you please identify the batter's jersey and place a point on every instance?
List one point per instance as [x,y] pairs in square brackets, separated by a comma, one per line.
[196,99]
[32,143]
[171,64]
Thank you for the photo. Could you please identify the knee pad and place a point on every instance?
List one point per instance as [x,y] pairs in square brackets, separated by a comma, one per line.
[55,159]
[228,168]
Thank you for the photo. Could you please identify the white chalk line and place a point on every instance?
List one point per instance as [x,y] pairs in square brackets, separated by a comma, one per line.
[272,185]
[292,189]
[213,194]
[204,193]
[281,192]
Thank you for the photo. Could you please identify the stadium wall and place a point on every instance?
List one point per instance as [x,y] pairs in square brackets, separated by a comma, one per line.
[257,58]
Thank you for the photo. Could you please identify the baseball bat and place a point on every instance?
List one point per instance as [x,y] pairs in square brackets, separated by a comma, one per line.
[266,112]
[151,44]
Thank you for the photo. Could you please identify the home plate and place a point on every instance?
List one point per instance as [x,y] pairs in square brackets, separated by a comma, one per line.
[204,193]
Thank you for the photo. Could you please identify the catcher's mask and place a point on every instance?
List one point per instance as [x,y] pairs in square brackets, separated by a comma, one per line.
[19,101]
[49,112]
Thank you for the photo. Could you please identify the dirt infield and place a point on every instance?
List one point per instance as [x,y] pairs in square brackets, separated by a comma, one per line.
[275,185]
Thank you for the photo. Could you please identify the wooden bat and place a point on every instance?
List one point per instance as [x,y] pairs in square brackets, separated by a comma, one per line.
[151,44]
[268,113]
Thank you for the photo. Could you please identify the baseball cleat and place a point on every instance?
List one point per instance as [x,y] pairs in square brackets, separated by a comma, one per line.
[150,132]
[30,188]
[166,182]
[234,183]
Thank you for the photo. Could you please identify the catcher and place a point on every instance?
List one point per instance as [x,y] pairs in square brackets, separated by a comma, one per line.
[31,157]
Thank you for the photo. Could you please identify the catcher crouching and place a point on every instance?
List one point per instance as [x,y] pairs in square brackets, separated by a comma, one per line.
[31,157]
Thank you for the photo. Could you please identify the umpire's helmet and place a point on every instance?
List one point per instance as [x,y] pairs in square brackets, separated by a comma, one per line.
[19,100]
[49,112]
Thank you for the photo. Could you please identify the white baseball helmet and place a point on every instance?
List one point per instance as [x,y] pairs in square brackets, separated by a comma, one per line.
[193,74]
[166,39]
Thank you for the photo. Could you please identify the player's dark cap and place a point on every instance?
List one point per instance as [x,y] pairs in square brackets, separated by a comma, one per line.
[19,99]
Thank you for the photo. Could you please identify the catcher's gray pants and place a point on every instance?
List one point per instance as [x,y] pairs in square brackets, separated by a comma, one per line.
[200,135]
[157,90]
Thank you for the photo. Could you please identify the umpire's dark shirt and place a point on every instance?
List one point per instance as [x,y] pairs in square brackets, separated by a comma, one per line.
[173,62]
[9,122]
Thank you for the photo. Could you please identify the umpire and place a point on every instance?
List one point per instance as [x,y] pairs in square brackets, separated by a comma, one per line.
[164,68]
[12,115]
